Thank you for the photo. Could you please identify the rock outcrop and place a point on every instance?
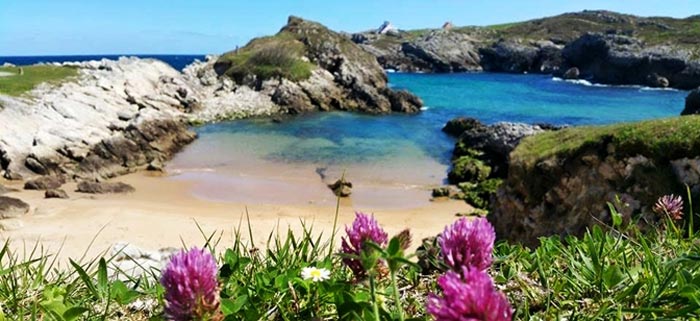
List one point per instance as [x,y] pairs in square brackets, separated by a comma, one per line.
[515,57]
[605,47]
[619,60]
[494,142]
[307,67]
[114,118]
[480,158]
[560,183]
[438,51]
[692,103]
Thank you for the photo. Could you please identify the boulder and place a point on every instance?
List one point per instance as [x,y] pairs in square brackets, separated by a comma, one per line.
[341,188]
[12,207]
[654,80]
[56,193]
[457,126]
[104,188]
[692,103]
[155,166]
[571,73]
[43,183]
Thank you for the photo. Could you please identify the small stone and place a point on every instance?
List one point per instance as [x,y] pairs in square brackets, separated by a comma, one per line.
[56,193]
[341,188]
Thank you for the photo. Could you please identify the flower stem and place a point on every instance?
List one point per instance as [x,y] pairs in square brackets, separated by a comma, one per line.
[373,293]
[397,301]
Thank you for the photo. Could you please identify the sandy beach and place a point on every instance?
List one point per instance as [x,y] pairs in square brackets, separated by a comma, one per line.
[164,212]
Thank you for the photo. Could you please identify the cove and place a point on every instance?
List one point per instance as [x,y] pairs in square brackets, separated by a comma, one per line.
[393,160]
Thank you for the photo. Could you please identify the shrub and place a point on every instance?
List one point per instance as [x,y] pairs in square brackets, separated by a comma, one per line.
[280,56]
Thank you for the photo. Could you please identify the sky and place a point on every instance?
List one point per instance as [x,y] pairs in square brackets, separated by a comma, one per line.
[63,27]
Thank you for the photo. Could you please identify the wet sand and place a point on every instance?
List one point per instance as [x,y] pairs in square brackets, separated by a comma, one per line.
[165,211]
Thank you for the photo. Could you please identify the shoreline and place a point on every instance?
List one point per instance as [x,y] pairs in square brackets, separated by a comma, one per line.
[163,212]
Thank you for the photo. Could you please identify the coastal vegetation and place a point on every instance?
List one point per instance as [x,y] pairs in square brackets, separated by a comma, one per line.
[567,27]
[661,139]
[22,79]
[278,56]
[613,271]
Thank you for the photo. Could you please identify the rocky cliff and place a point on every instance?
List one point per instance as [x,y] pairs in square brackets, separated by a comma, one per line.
[605,46]
[307,67]
[117,116]
[560,183]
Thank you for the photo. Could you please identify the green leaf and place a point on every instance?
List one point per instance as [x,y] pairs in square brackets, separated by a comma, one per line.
[612,276]
[616,216]
[53,301]
[102,282]
[86,279]
[121,293]
[229,306]
[394,246]
[74,313]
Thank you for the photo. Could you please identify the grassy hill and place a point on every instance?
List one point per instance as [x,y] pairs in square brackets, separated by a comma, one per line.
[684,33]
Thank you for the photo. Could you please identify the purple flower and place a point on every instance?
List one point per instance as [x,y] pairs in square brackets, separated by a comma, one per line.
[671,205]
[364,228]
[191,286]
[470,297]
[468,243]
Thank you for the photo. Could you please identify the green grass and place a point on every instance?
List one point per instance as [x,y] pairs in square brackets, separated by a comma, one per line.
[19,84]
[269,57]
[661,139]
[608,274]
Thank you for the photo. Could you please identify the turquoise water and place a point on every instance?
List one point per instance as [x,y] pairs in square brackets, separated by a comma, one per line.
[407,151]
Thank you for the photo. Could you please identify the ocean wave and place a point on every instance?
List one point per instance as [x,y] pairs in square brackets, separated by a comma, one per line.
[587,83]
[424,108]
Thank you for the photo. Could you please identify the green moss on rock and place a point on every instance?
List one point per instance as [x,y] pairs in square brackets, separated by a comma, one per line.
[479,194]
[468,169]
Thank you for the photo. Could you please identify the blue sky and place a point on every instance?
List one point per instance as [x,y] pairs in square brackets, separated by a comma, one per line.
[52,27]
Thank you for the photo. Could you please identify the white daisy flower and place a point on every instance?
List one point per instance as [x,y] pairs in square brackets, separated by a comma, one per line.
[315,274]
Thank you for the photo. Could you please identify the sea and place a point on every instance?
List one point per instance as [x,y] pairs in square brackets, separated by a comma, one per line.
[393,160]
